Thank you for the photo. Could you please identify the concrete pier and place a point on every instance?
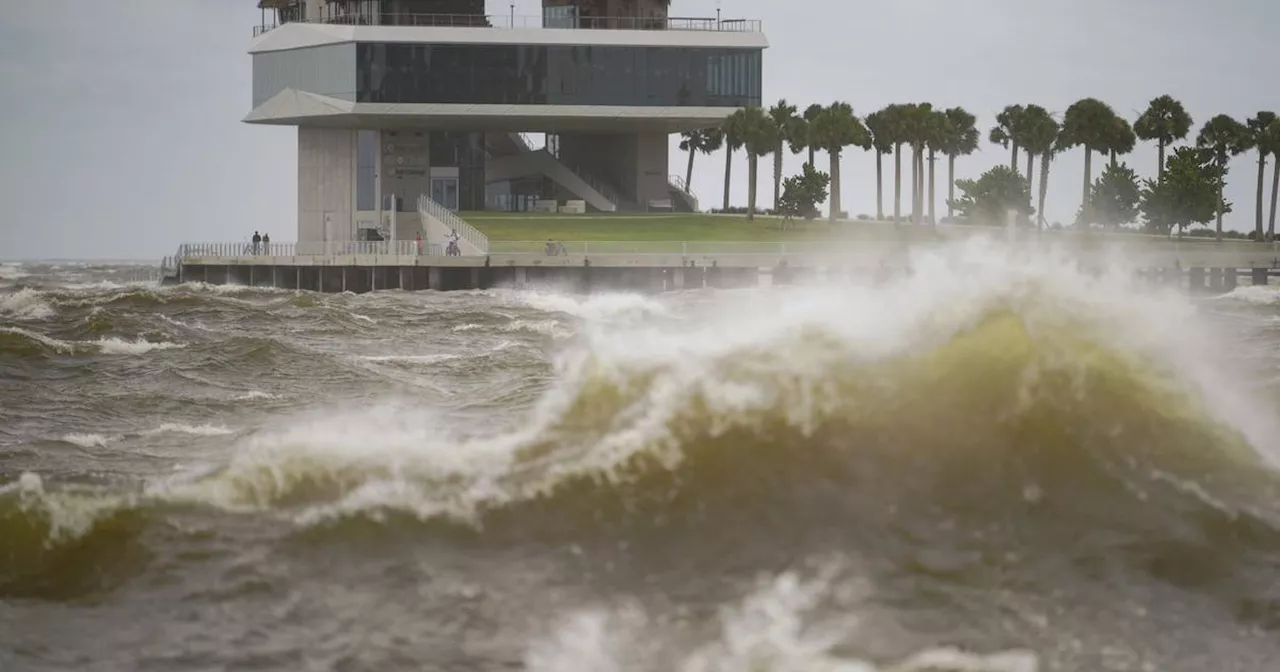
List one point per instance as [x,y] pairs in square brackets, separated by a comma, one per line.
[652,279]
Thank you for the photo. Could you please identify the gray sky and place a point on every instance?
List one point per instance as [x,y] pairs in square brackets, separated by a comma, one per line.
[121,135]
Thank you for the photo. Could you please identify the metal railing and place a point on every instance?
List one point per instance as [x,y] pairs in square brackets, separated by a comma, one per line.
[513,21]
[316,248]
[427,207]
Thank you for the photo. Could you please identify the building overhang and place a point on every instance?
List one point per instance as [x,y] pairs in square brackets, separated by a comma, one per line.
[300,108]
[302,35]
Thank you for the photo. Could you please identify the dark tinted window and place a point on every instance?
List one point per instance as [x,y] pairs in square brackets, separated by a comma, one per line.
[557,75]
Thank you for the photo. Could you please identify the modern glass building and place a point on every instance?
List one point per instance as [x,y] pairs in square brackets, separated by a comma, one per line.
[398,98]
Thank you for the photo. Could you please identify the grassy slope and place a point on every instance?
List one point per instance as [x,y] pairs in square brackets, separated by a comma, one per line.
[540,227]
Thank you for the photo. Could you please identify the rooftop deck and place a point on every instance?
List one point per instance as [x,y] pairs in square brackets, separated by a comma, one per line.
[514,21]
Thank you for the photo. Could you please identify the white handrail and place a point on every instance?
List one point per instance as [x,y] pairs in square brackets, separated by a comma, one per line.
[428,207]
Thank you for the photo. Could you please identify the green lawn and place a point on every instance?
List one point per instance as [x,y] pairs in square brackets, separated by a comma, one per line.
[642,227]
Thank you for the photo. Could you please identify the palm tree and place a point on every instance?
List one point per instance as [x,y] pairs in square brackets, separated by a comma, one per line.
[914,127]
[811,113]
[962,140]
[732,132]
[1039,137]
[1224,138]
[1259,131]
[878,124]
[894,117]
[1165,121]
[783,117]
[705,140]
[759,138]
[1122,139]
[939,133]
[834,129]
[1088,123]
[1035,119]
[1273,141]
[1007,129]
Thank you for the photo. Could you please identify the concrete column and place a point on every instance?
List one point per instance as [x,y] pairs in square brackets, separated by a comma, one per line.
[345,271]
[435,279]
[475,279]
[1229,279]
[1259,276]
[677,279]
[1215,279]
[1195,280]
[522,277]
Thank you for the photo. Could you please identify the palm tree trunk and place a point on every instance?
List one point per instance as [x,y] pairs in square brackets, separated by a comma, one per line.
[777,174]
[915,183]
[811,155]
[1222,184]
[897,183]
[1160,155]
[951,186]
[688,174]
[920,180]
[728,170]
[1044,189]
[1262,177]
[1086,207]
[1013,161]
[752,161]
[1114,163]
[1030,171]
[933,201]
[835,185]
[879,185]
[1275,187]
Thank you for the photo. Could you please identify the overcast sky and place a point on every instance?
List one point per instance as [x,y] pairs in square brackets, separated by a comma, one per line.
[122,138]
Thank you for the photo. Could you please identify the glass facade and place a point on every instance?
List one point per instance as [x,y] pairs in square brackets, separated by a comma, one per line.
[367,154]
[328,70]
[557,75]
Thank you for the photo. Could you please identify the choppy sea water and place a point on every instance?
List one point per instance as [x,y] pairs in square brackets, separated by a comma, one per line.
[995,463]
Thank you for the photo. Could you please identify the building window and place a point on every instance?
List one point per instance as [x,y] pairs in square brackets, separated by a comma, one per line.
[367,153]
[557,75]
[564,16]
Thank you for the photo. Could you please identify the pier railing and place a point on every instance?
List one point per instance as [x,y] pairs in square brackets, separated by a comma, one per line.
[307,249]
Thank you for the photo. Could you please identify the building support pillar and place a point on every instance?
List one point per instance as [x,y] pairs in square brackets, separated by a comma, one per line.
[1195,280]
[1259,276]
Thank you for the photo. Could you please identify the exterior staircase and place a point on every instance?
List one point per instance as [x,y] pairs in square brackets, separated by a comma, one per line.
[595,192]
[438,222]
[681,196]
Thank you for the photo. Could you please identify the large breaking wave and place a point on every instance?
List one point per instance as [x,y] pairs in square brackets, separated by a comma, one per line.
[982,408]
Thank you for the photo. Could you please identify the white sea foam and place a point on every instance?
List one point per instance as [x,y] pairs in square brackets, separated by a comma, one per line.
[87,440]
[11,272]
[26,304]
[410,359]
[595,306]
[550,328]
[118,346]
[1255,294]
[774,629]
[194,430]
[254,395]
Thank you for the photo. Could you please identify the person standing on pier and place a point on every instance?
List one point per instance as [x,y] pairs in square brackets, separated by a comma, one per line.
[257,241]
[266,244]
[418,239]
